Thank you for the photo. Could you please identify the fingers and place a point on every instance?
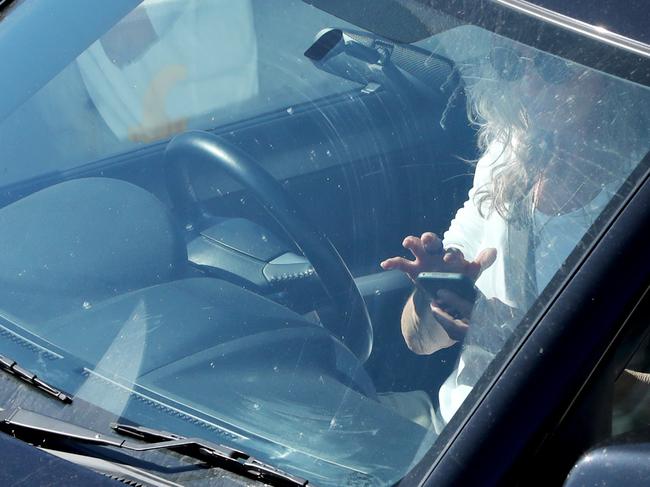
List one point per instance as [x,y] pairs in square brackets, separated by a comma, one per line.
[399,263]
[453,256]
[484,259]
[427,250]
[414,244]
[431,244]
[427,245]
[455,328]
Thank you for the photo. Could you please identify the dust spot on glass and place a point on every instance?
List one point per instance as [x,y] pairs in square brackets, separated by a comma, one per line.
[256,406]
[290,110]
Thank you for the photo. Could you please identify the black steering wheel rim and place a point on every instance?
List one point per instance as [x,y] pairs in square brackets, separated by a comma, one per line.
[350,322]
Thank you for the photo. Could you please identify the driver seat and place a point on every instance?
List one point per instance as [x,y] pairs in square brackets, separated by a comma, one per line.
[90,263]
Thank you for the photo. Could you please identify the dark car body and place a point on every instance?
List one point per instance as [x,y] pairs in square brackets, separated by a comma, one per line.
[235,330]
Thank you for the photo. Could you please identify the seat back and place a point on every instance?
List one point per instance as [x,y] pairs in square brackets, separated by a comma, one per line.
[84,240]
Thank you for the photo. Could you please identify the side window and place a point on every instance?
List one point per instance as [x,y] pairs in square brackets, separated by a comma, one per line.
[631,401]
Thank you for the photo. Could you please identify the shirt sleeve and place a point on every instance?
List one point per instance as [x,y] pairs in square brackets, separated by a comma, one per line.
[468,226]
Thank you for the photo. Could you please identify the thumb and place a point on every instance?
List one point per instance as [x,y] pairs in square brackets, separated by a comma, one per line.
[484,259]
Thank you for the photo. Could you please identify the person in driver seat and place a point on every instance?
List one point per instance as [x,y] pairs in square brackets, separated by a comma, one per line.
[555,149]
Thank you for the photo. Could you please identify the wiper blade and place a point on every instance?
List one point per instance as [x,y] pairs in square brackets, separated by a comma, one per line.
[11,366]
[211,452]
[21,420]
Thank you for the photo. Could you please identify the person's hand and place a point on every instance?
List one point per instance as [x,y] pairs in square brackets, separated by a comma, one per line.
[453,312]
[450,310]
[429,256]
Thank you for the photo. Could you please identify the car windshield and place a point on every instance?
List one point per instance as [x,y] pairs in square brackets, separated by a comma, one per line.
[215,213]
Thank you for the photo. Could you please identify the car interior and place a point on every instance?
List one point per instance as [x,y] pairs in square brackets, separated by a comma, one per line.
[220,274]
[174,213]
[257,238]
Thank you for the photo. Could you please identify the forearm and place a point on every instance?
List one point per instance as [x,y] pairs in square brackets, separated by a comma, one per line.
[421,332]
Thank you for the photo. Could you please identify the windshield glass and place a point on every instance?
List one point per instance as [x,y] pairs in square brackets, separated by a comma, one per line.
[215,220]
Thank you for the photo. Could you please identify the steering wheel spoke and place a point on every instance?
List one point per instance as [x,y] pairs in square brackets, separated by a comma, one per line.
[349,320]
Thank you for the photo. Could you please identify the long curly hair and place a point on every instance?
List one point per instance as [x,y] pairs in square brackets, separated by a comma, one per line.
[614,139]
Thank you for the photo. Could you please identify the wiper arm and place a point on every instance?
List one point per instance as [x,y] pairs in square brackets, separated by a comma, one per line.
[11,366]
[17,420]
[211,452]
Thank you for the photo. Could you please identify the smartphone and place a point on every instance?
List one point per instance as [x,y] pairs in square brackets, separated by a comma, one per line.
[454,282]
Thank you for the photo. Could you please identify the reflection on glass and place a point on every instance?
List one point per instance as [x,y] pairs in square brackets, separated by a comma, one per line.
[217,327]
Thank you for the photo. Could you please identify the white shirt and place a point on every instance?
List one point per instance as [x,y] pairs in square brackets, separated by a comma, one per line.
[555,237]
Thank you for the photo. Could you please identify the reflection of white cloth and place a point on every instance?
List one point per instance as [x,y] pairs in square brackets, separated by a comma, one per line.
[204,57]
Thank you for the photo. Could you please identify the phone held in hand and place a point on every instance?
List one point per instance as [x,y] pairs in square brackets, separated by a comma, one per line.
[459,284]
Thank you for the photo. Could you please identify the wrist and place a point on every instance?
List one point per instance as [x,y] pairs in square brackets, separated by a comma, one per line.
[421,301]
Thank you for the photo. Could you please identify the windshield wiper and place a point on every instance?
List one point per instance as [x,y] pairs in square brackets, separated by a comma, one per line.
[19,420]
[11,366]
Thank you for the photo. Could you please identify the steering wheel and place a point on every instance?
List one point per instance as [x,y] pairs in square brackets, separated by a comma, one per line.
[350,322]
